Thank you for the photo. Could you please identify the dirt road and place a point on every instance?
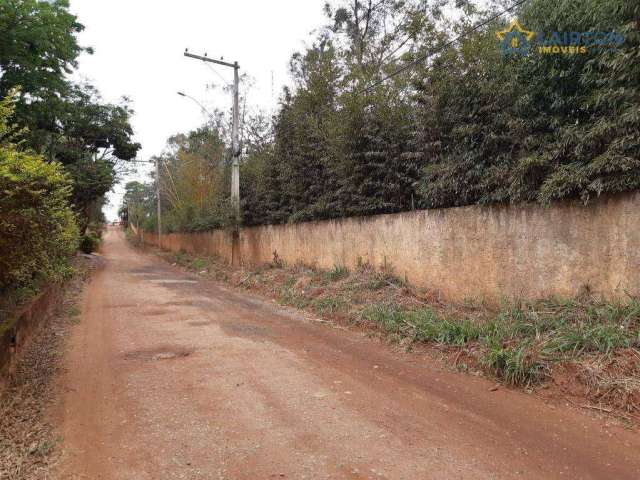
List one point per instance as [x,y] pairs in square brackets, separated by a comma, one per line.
[172,377]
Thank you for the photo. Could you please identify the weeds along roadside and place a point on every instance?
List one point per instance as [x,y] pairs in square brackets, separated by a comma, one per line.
[585,347]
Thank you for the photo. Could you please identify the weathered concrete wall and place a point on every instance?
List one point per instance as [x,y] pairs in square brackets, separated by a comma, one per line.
[17,329]
[479,252]
[215,243]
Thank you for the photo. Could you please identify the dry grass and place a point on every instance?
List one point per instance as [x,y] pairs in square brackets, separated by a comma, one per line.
[27,441]
[613,381]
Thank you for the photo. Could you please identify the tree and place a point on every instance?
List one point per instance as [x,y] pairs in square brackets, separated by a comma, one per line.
[66,122]
[89,139]
[386,114]
[339,151]
[194,180]
[537,128]
[39,49]
[134,203]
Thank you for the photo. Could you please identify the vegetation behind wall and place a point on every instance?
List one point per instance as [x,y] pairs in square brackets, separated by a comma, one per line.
[467,126]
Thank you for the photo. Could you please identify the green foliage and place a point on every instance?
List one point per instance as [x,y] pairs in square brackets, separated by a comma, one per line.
[91,137]
[538,128]
[336,273]
[89,242]
[194,183]
[138,200]
[39,47]
[468,127]
[517,365]
[521,341]
[65,122]
[422,325]
[38,231]
[329,305]
[199,264]
[289,296]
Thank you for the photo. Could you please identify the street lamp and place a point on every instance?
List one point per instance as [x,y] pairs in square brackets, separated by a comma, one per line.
[202,107]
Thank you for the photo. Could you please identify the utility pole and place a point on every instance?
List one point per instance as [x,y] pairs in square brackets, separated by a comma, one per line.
[235,130]
[235,169]
[157,162]
[158,201]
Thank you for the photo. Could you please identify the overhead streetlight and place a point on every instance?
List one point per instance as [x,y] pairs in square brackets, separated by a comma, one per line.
[202,107]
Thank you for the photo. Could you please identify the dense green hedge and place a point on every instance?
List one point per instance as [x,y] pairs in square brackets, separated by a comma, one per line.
[38,230]
[471,126]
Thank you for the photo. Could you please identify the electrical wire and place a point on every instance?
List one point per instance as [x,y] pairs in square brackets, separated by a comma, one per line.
[442,47]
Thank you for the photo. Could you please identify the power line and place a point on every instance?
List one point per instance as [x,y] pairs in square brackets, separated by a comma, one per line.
[442,47]
[218,74]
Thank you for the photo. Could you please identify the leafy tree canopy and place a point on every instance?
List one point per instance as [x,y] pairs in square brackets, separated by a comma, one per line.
[66,122]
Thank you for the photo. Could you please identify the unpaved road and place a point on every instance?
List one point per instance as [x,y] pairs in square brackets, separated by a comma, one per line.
[169,377]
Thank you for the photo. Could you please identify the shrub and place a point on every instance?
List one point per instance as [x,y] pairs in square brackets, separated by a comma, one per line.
[38,230]
[89,242]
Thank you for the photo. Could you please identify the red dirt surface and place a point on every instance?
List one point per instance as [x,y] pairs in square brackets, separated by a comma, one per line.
[170,376]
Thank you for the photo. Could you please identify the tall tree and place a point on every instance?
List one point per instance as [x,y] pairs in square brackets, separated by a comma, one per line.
[39,48]
[66,122]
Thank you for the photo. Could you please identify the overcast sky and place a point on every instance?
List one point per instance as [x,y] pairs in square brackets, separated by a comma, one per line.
[139,47]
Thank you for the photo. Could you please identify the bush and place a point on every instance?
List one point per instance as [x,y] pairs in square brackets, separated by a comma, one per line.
[89,242]
[38,230]
[37,227]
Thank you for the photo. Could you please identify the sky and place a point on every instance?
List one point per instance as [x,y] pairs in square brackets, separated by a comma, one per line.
[139,47]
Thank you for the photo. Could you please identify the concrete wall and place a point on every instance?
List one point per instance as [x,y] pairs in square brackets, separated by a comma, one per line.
[17,329]
[470,252]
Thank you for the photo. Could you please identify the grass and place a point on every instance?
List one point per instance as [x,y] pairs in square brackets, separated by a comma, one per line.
[329,305]
[521,342]
[337,273]
[519,364]
[422,325]
[289,295]
[199,264]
